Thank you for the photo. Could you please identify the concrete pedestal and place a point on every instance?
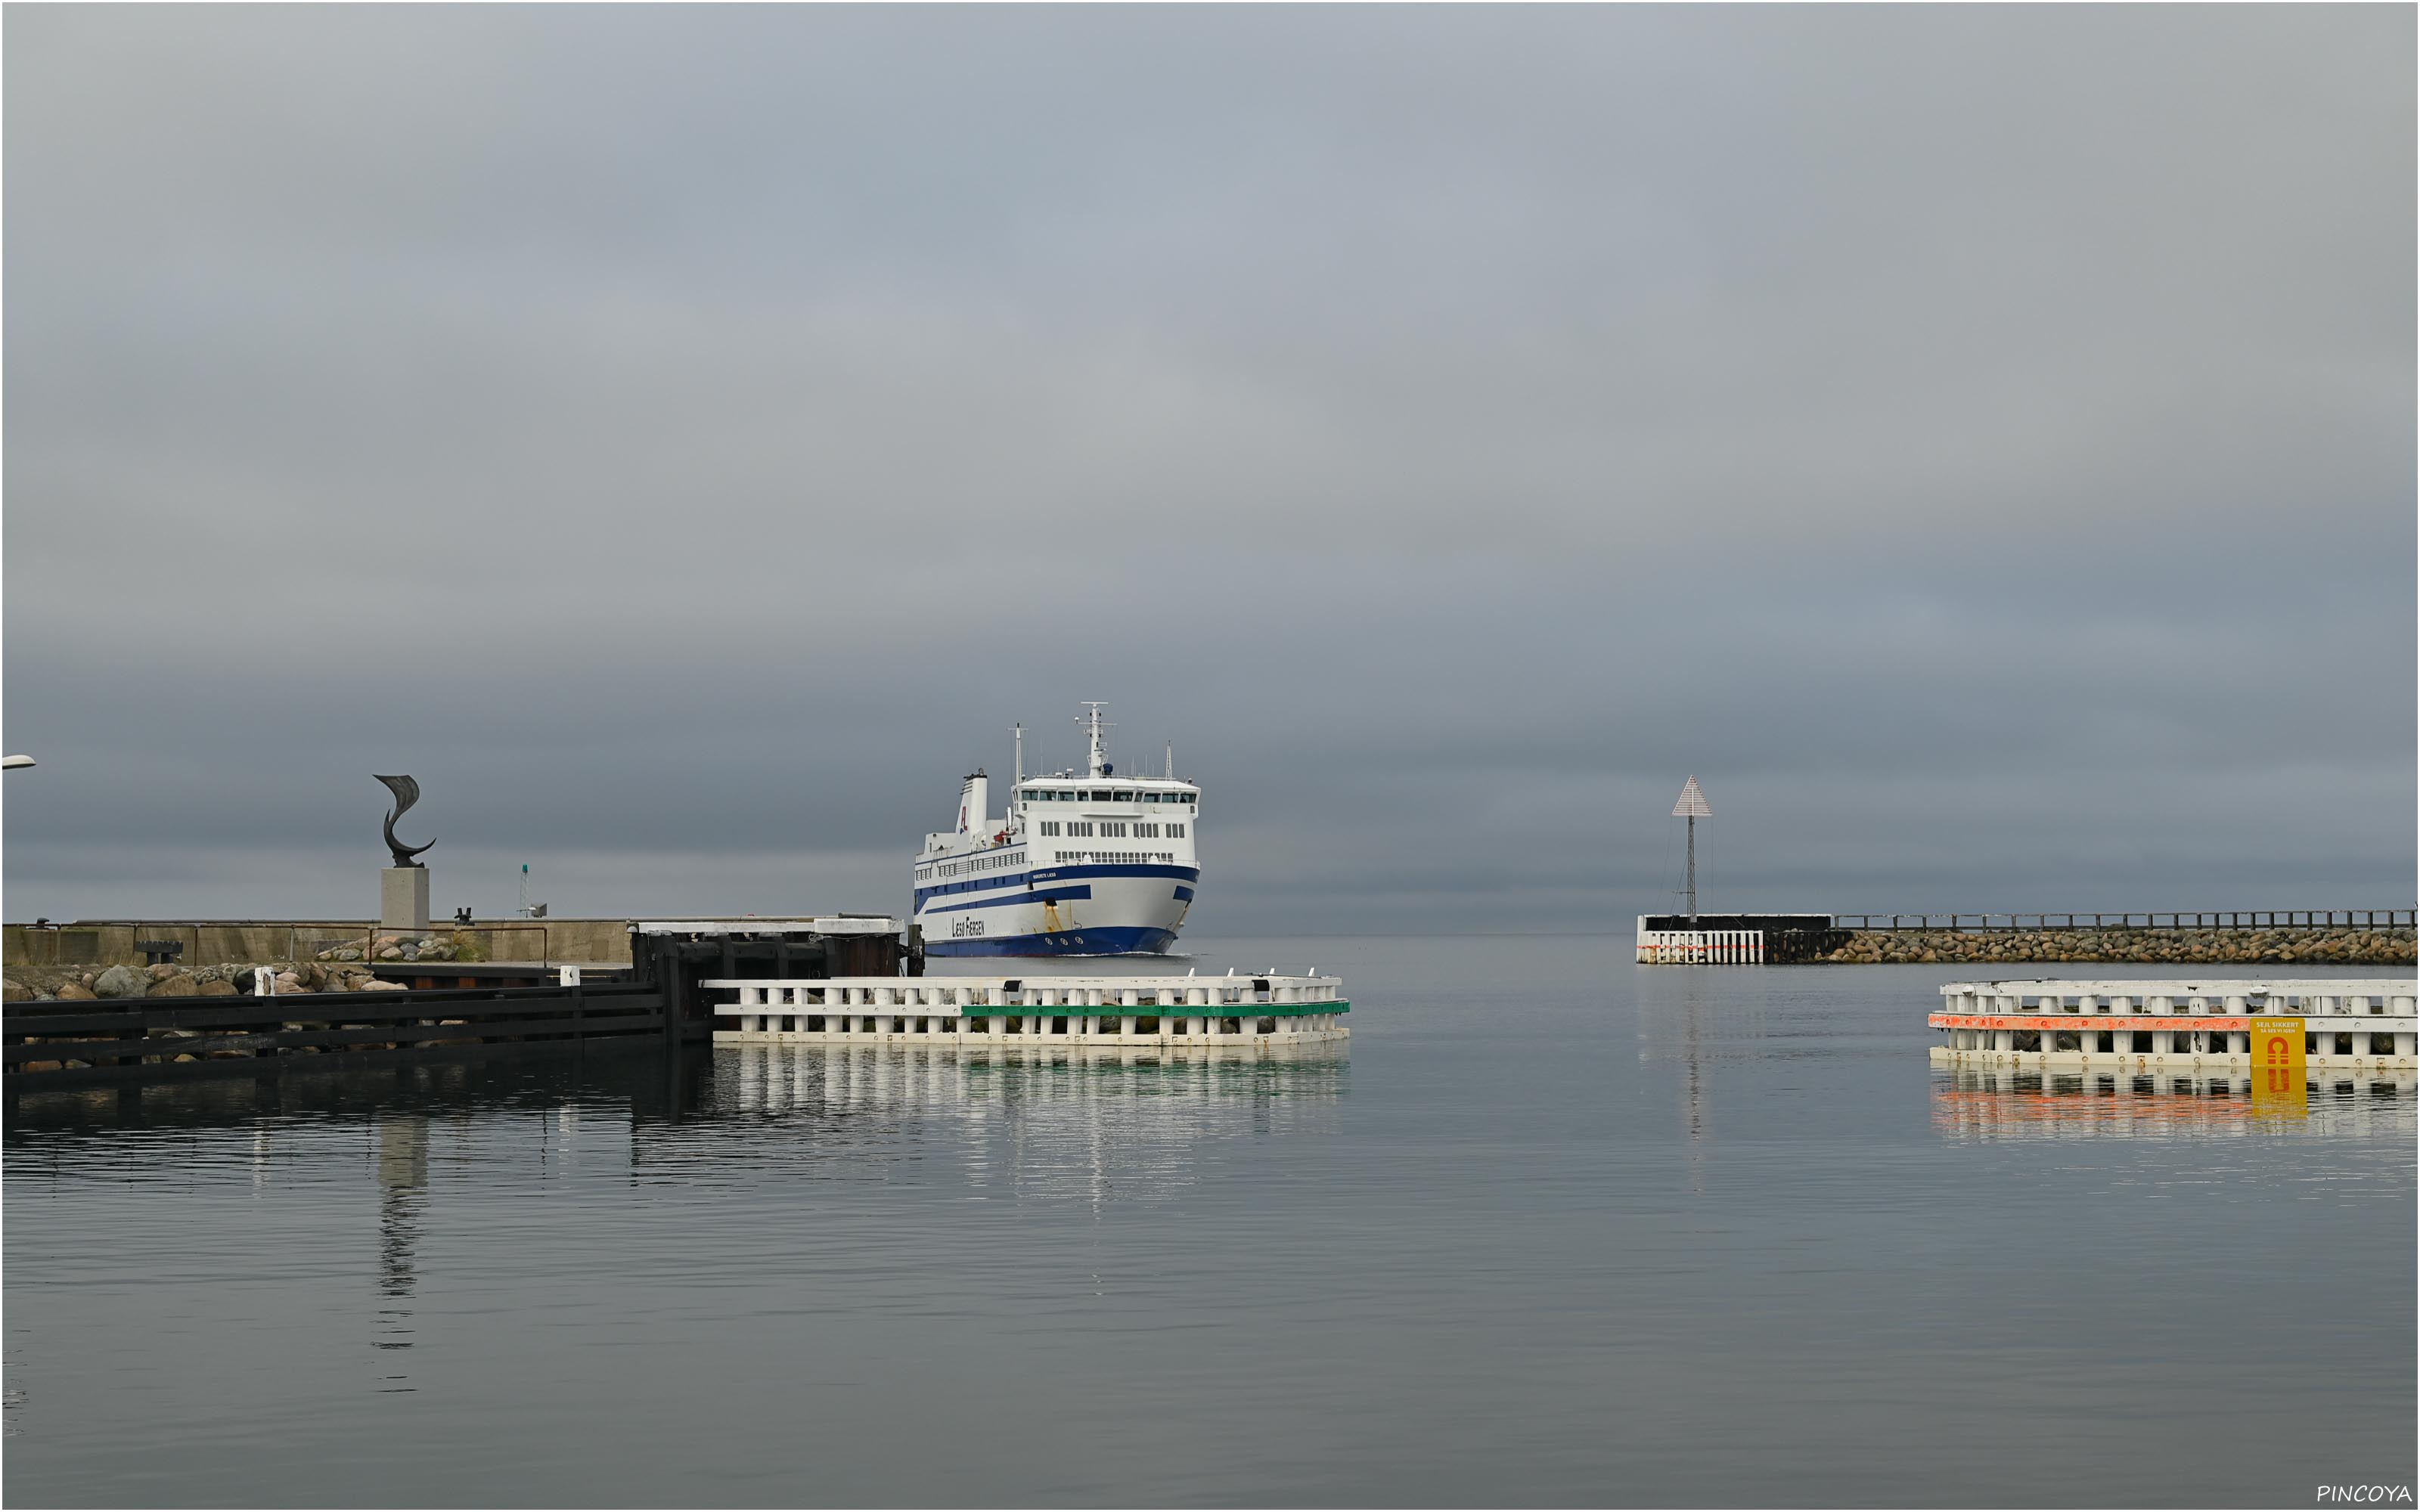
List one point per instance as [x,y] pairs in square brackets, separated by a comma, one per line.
[403,898]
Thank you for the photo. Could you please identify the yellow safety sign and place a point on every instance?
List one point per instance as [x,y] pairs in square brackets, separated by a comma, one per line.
[2277,1065]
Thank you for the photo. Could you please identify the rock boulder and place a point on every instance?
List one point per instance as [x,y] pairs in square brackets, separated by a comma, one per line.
[122,981]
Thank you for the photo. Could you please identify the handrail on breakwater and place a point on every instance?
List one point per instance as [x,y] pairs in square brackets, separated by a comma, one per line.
[2259,918]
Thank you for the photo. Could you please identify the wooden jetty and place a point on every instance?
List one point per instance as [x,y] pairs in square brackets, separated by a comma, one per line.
[68,1043]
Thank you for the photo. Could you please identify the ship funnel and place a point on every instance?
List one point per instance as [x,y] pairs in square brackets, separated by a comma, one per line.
[975,804]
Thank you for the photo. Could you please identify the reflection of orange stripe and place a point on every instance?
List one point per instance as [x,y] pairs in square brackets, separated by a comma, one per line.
[1980,1106]
[2079,1021]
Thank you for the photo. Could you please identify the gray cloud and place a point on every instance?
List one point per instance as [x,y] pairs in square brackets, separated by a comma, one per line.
[1978,442]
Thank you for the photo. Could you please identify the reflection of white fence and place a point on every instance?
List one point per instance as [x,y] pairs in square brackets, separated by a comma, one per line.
[1699,947]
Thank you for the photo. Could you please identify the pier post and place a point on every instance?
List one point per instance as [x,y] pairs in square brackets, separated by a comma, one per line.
[672,979]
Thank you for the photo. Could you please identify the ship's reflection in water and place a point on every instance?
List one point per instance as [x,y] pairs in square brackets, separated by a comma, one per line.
[1079,1125]
[1987,1104]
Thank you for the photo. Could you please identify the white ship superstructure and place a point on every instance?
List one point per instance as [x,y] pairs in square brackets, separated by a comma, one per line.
[1089,863]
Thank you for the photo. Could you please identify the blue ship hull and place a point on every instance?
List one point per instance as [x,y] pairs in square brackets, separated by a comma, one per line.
[1105,940]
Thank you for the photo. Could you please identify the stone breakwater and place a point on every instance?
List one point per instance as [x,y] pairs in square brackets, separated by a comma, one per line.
[2336,946]
[339,969]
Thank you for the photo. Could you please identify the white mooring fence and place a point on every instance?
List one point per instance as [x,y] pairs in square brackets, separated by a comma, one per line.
[2353,1025]
[1235,1011]
[1699,947]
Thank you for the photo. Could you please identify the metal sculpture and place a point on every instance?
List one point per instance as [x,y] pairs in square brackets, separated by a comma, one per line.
[407,793]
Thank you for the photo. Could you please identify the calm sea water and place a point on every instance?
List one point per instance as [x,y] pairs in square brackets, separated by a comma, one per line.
[1554,1230]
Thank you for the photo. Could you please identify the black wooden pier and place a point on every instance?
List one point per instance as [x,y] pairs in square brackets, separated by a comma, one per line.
[450,1009]
[167,1039]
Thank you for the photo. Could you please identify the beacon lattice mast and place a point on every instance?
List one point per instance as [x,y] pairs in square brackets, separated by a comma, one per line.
[1692,806]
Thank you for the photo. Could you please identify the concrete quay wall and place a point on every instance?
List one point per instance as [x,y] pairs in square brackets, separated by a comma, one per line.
[2312,945]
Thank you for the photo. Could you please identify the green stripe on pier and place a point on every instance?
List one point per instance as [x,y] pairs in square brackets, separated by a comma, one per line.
[1115,1010]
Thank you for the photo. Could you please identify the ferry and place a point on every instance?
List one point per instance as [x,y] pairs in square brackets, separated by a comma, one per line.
[1083,863]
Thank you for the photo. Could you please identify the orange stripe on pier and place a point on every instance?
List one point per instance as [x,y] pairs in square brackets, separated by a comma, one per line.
[2082,1020]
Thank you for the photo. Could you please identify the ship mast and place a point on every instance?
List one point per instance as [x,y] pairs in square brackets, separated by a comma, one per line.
[1096,729]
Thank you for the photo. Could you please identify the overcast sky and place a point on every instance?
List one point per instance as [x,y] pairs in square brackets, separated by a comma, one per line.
[1978,442]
